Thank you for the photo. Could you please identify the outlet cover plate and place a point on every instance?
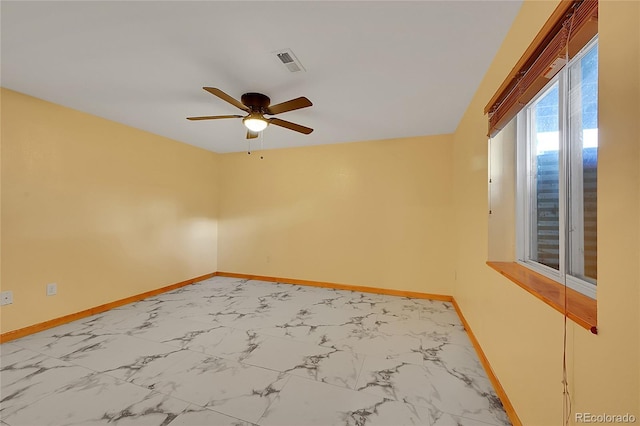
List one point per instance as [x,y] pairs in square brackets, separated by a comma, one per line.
[6,298]
[52,289]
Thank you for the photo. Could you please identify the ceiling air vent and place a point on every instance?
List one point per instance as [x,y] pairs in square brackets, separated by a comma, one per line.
[289,59]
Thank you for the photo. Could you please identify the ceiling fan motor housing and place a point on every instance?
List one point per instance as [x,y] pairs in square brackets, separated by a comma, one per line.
[256,101]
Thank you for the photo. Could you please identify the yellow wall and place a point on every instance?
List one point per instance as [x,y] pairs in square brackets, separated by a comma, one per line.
[103,210]
[107,211]
[521,336]
[502,200]
[369,213]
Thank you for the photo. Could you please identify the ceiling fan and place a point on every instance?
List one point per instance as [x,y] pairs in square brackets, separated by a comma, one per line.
[257,105]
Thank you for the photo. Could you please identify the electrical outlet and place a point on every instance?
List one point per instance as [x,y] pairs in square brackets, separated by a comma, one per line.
[52,289]
[6,298]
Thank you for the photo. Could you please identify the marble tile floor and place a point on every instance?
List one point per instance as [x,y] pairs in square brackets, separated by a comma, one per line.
[226,351]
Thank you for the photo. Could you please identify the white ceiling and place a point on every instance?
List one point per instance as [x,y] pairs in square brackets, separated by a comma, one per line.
[375,70]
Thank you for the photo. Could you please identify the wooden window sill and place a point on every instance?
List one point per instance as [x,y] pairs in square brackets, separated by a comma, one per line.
[580,308]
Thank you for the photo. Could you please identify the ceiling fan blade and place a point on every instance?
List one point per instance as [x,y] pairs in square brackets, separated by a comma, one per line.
[291,126]
[252,135]
[219,93]
[213,117]
[291,105]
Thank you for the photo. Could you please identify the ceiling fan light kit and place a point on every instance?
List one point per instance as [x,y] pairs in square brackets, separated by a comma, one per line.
[257,105]
[255,122]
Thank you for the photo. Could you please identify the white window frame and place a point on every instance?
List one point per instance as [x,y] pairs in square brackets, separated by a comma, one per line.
[524,211]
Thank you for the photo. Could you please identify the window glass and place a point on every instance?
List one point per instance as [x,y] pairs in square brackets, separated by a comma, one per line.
[545,175]
[583,113]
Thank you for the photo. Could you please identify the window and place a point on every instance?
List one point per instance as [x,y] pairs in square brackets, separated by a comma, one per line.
[557,157]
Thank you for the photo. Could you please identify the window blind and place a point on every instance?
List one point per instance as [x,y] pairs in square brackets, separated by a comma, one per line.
[572,25]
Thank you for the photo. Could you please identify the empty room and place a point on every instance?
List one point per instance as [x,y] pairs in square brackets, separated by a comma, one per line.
[320,212]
